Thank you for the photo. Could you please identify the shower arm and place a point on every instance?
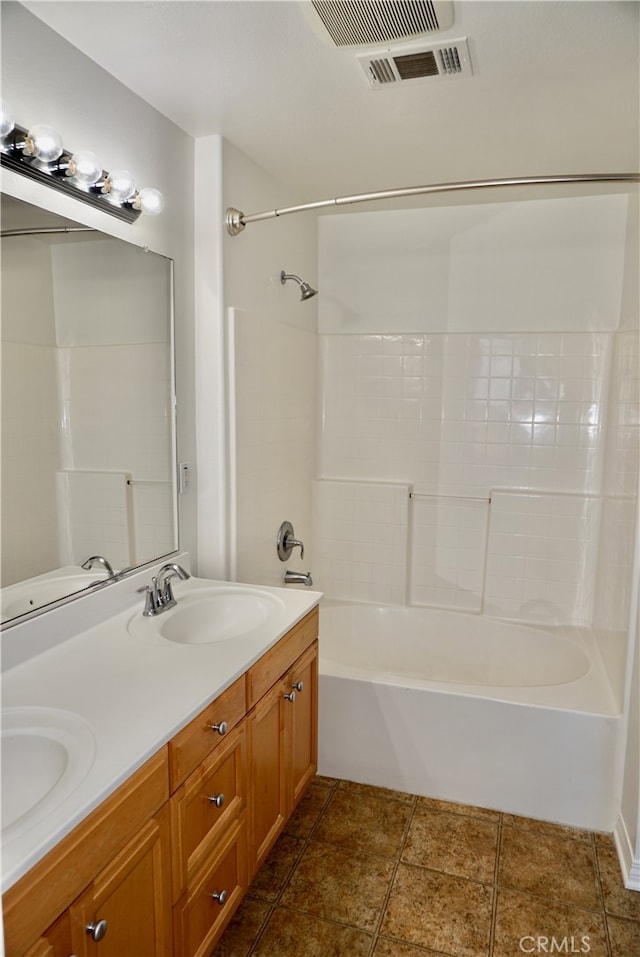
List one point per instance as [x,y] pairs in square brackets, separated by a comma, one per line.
[236,220]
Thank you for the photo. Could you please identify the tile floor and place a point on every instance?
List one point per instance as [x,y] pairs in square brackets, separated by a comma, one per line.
[367,872]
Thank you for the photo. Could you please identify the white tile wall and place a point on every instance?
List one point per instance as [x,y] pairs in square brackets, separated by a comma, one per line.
[618,531]
[448,546]
[460,414]
[97,509]
[541,557]
[360,540]
[30,458]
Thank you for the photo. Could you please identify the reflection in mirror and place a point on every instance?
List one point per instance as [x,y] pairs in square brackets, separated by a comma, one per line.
[87,409]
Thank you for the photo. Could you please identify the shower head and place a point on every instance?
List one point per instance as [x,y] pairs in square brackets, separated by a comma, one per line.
[306,291]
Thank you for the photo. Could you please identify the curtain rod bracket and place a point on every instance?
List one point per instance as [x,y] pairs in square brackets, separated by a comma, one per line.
[235,221]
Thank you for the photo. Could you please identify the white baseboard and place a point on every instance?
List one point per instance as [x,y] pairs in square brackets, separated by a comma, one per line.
[629,860]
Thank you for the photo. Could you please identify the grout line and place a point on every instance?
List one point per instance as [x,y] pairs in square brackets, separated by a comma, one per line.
[305,843]
[605,918]
[397,863]
[494,904]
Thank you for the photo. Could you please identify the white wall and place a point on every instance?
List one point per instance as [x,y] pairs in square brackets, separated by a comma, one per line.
[92,110]
[271,342]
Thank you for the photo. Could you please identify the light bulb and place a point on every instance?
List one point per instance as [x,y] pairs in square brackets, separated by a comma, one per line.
[6,120]
[150,201]
[120,185]
[44,143]
[85,168]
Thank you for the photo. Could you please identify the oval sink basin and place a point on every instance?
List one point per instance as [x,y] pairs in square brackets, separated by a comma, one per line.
[210,615]
[46,753]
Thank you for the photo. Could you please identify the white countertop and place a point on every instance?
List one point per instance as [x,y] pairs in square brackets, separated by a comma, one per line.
[135,693]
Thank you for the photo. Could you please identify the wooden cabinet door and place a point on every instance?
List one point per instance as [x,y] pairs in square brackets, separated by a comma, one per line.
[267,773]
[132,896]
[303,721]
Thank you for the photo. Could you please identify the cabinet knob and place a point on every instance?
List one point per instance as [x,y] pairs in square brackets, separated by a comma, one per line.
[221,728]
[291,696]
[298,685]
[97,929]
[220,897]
[217,799]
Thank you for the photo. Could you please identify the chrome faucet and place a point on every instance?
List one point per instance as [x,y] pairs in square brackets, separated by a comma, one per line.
[159,594]
[98,560]
[297,578]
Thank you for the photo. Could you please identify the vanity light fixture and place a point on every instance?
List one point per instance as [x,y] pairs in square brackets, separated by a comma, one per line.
[38,153]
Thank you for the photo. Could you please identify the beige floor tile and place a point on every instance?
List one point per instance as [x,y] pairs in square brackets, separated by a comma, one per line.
[434,910]
[617,899]
[624,936]
[309,809]
[454,808]
[553,867]
[323,779]
[547,827]
[371,789]
[361,821]
[460,845]
[395,948]
[291,934]
[606,840]
[243,929]
[339,885]
[271,877]
[526,924]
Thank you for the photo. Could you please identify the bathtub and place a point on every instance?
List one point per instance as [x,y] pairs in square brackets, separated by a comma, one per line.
[466,708]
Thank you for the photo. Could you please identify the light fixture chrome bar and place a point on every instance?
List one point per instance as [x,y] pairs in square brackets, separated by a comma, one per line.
[236,220]
[45,231]
[52,174]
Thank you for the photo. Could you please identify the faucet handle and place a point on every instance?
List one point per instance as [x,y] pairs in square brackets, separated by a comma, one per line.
[150,599]
[286,542]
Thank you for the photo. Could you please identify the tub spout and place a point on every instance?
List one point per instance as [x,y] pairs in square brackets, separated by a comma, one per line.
[297,578]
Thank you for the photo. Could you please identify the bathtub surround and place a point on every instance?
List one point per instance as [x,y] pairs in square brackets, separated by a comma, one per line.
[490,366]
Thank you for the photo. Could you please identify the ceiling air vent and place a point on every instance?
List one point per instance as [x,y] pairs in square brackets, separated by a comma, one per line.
[440,60]
[356,22]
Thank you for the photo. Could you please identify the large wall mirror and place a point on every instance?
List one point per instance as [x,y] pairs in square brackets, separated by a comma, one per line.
[88,403]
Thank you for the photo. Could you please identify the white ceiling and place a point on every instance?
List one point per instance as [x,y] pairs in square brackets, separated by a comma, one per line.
[554,89]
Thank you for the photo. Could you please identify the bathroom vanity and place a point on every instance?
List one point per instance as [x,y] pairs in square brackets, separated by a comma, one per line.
[158,864]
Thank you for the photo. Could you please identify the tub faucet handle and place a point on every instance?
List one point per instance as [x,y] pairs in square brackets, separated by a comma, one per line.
[286,542]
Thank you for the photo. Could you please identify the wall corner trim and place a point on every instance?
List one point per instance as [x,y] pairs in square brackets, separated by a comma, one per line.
[629,860]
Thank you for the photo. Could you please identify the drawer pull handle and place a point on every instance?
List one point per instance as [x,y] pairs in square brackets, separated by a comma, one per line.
[221,728]
[298,685]
[217,799]
[291,696]
[220,897]
[97,929]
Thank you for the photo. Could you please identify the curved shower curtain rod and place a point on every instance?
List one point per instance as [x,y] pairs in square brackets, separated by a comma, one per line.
[45,231]
[236,220]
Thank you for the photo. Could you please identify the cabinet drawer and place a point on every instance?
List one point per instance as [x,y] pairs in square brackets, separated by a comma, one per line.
[191,745]
[200,917]
[276,661]
[205,805]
